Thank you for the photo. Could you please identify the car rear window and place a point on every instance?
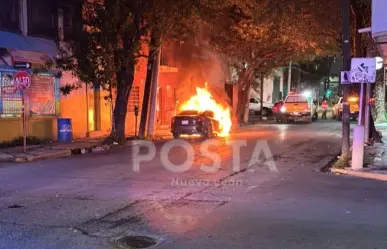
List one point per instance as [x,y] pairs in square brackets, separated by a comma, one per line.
[296,99]
[188,113]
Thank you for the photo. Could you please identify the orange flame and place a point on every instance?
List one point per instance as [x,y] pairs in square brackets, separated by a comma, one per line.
[203,101]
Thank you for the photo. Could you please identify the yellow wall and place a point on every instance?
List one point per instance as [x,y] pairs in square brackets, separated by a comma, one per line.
[41,127]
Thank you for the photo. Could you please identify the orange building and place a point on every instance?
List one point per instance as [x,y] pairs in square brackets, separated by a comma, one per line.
[91,112]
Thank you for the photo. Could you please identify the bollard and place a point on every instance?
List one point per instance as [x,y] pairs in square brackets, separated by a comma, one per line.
[358,147]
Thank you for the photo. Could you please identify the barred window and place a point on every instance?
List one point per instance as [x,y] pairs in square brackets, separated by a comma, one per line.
[134,98]
[42,18]
[10,98]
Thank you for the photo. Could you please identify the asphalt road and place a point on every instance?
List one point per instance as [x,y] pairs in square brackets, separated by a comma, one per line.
[269,195]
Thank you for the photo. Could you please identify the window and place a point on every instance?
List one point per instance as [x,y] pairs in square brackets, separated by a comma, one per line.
[42,18]
[70,15]
[9,15]
[134,98]
[254,101]
[296,99]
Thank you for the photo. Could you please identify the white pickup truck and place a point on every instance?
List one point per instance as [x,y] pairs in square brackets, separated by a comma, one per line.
[255,107]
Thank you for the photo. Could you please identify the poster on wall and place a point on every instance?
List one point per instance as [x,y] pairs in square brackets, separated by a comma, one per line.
[41,96]
[10,98]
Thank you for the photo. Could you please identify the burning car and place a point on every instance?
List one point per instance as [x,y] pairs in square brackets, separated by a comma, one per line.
[193,122]
[202,114]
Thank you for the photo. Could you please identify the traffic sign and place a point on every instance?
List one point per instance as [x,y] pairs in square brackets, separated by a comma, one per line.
[363,70]
[22,80]
[22,64]
[345,77]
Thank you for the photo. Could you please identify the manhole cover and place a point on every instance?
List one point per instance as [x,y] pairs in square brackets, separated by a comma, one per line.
[15,206]
[137,242]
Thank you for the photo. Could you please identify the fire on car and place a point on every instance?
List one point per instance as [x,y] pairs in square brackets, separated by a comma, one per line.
[202,115]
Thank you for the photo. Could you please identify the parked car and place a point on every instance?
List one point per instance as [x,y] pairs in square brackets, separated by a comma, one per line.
[337,111]
[193,122]
[255,107]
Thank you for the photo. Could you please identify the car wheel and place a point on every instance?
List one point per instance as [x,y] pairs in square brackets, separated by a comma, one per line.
[176,135]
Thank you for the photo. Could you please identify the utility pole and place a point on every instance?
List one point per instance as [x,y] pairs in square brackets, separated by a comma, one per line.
[346,67]
[261,98]
[147,87]
[153,99]
[87,112]
[289,77]
[367,115]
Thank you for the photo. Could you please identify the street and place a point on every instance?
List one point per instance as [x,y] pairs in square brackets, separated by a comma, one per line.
[282,201]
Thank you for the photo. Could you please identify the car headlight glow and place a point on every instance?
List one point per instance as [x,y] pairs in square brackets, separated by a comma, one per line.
[283,109]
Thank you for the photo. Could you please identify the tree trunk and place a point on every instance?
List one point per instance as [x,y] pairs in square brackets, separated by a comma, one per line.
[289,79]
[379,94]
[261,97]
[147,88]
[373,133]
[124,85]
[244,85]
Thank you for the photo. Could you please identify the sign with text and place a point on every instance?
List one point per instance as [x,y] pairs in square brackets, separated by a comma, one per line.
[363,70]
[22,80]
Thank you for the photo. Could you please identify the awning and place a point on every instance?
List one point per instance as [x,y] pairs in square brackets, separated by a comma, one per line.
[27,43]
[15,47]
[379,26]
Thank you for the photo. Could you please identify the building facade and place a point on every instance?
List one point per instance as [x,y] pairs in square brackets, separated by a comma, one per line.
[28,30]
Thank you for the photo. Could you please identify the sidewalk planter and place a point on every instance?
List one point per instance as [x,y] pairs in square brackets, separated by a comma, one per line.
[65,130]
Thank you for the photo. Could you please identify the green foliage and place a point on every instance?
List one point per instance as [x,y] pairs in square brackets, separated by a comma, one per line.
[271,32]
[342,163]
[106,40]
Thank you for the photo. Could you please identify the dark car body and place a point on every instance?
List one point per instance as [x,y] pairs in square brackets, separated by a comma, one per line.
[193,122]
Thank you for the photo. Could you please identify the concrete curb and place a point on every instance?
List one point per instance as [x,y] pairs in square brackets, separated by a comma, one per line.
[362,174]
[37,157]
[57,153]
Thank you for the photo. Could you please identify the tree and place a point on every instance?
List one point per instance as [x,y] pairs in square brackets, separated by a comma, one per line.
[105,50]
[259,36]
[168,19]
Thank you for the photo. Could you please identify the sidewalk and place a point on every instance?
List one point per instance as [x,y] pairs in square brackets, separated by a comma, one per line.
[375,160]
[53,150]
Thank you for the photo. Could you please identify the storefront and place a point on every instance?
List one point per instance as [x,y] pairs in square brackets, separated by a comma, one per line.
[41,105]
[41,98]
